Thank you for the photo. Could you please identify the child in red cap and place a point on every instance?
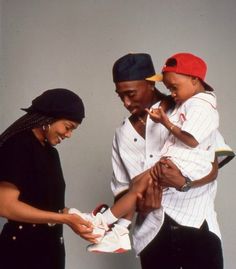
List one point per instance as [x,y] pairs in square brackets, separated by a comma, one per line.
[193,122]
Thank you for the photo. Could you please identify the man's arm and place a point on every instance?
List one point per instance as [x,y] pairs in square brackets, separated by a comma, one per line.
[151,200]
[168,175]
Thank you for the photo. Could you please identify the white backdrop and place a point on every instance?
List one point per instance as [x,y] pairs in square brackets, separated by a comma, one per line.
[73,44]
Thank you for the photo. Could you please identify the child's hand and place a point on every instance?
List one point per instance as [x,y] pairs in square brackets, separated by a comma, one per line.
[154,114]
[158,115]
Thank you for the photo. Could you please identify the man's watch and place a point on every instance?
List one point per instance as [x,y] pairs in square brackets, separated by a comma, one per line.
[187,185]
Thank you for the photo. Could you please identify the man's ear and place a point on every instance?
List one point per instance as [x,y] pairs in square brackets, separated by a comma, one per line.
[151,85]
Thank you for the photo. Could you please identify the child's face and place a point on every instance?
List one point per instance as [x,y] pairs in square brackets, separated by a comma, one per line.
[181,87]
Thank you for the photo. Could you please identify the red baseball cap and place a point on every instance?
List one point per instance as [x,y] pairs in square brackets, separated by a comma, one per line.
[187,64]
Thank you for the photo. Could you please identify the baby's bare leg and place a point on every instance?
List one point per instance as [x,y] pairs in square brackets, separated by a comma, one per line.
[127,203]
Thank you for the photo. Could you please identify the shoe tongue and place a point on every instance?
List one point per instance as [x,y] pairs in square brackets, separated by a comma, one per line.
[100,209]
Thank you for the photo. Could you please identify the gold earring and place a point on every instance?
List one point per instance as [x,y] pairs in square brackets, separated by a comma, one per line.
[47,127]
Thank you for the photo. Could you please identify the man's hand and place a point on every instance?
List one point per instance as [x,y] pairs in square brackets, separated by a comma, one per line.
[151,199]
[169,174]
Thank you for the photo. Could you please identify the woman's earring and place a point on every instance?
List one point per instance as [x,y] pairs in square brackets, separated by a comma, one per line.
[46,127]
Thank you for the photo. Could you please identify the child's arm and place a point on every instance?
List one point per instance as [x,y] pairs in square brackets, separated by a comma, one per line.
[158,115]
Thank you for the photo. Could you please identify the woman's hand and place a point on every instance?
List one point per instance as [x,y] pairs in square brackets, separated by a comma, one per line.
[82,227]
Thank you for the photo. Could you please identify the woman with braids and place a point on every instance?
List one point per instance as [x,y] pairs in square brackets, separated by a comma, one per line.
[32,186]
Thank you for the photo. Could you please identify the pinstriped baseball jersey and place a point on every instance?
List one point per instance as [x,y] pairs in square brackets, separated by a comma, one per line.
[198,117]
[131,155]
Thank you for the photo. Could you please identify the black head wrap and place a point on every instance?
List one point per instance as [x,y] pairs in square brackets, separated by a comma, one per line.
[58,103]
[48,107]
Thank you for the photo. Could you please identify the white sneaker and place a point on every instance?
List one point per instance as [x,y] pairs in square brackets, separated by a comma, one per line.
[114,241]
[100,226]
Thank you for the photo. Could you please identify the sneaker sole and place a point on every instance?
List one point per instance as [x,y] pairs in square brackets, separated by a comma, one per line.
[120,250]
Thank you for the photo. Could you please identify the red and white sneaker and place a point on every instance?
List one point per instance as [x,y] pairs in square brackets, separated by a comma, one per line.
[100,226]
[100,209]
[114,241]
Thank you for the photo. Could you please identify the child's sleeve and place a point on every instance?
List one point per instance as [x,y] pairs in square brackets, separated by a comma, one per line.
[200,118]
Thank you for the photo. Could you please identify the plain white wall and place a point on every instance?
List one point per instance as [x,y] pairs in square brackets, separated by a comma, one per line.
[74,43]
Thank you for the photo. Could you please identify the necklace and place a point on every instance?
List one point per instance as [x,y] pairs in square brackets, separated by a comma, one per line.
[142,121]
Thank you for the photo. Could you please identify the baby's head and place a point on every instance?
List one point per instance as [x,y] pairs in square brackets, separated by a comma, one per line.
[184,75]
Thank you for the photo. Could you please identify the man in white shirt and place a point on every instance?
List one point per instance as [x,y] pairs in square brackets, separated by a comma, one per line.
[159,239]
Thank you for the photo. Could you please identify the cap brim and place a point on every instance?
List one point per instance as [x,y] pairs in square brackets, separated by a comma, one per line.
[207,87]
[157,77]
[224,156]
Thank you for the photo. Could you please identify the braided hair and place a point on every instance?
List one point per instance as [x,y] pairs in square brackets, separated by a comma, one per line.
[26,122]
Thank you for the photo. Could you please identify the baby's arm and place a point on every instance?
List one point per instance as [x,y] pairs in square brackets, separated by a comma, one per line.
[158,115]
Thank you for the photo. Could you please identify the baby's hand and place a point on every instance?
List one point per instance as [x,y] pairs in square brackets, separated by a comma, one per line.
[154,114]
[158,115]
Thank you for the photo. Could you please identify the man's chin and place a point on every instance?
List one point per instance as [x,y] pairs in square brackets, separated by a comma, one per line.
[133,112]
[137,113]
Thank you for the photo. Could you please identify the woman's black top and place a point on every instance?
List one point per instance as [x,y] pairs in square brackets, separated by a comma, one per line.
[36,171]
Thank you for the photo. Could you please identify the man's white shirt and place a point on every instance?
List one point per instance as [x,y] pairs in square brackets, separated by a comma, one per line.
[131,155]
